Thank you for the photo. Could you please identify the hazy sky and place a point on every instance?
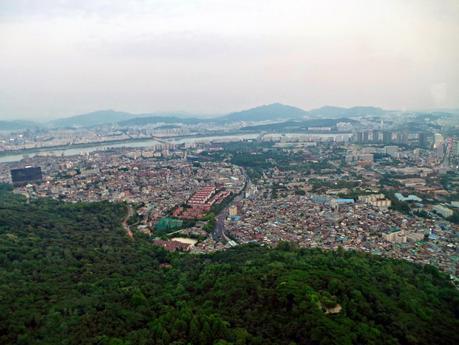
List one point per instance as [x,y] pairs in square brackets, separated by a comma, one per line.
[60,58]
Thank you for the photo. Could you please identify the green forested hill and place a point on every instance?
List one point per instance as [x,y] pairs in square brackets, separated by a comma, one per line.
[69,275]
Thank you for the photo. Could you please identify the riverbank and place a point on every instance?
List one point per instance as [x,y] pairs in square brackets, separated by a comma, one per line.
[17,155]
[71,146]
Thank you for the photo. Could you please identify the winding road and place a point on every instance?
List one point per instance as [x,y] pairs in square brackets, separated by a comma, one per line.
[219,232]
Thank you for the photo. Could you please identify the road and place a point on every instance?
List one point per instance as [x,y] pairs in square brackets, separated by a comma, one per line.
[219,232]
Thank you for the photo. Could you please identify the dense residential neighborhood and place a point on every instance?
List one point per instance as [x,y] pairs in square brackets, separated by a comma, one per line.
[383,191]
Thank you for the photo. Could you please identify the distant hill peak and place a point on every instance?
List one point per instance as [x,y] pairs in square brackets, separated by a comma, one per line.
[274,111]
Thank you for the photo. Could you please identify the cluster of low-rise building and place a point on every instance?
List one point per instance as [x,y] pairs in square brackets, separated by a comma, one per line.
[320,222]
[154,186]
[201,202]
[347,202]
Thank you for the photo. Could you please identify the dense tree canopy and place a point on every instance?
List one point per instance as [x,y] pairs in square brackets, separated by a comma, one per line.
[70,275]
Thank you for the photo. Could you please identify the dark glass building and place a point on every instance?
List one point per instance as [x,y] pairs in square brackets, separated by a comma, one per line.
[26,175]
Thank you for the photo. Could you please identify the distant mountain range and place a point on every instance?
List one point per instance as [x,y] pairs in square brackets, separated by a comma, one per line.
[298,125]
[92,119]
[337,112]
[271,112]
[148,120]
[17,125]
[107,117]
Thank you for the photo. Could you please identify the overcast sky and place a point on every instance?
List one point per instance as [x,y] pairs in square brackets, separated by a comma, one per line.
[59,58]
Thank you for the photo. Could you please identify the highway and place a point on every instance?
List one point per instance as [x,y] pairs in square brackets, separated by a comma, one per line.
[219,232]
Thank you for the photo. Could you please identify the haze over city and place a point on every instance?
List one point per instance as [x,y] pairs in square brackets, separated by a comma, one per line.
[60,58]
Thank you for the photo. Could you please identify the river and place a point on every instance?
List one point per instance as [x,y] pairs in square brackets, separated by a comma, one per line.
[76,150]
[15,157]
